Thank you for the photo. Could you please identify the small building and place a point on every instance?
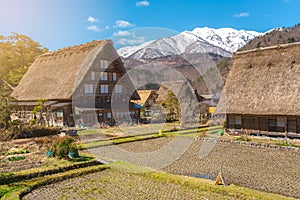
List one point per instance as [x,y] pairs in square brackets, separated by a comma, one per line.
[77,84]
[263,91]
[147,100]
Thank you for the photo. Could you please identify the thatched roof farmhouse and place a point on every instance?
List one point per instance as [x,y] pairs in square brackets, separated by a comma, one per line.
[263,90]
[86,74]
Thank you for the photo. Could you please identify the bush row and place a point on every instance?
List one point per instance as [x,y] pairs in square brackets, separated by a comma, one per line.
[11,178]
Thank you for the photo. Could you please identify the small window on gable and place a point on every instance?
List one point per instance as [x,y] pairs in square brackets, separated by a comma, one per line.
[103,76]
[118,88]
[88,88]
[103,64]
[92,75]
[114,76]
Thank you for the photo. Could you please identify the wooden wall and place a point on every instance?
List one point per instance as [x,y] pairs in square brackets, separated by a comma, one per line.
[281,124]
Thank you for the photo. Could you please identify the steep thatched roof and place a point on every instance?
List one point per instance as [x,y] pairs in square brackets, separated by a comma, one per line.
[265,81]
[144,96]
[56,75]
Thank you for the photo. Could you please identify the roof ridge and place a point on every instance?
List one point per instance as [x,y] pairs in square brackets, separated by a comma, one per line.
[79,47]
[278,46]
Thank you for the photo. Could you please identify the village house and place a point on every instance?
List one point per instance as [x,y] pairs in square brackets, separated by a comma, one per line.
[147,101]
[263,91]
[76,84]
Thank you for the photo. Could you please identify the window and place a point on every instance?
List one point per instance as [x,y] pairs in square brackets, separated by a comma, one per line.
[88,88]
[114,76]
[272,124]
[104,89]
[109,115]
[118,88]
[280,121]
[103,76]
[59,113]
[103,64]
[92,75]
[238,120]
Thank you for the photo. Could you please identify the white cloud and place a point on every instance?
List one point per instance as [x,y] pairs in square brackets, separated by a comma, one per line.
[134,41]
[107,27]
[123,24]
[243,14]
[142,3]
[92,19]
[122,33]
[94,28]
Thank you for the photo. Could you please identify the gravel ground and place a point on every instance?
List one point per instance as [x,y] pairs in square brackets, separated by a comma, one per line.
[146,145]
[114,184]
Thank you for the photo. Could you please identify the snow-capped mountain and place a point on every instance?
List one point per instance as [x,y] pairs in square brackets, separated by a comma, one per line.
[227,38]
[223,41]
[127,51]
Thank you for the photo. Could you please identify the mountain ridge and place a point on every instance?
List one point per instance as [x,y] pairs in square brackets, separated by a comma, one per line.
[222,41]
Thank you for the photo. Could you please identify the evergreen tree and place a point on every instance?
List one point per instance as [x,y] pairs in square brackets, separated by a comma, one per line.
[171,104]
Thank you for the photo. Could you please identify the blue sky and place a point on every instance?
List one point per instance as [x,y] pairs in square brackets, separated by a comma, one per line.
[61,23]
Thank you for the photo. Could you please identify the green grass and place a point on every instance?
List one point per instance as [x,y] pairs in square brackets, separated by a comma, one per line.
[245,139]
[16,158]
[120,140]
[7,189]
[286,144]
[17,151]
[185,133]
[89,132]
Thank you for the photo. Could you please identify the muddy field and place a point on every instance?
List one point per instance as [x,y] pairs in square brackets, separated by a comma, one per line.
[275,170]
[115,184]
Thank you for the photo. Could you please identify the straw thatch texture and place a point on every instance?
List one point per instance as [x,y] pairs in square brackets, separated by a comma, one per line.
[265,82]
[144,96]
[54,75]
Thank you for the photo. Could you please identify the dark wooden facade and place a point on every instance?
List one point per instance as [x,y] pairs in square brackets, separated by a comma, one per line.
[264,124]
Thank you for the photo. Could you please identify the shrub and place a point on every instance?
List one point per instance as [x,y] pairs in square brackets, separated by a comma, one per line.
[61,146]
[32,122]
[16,158]
[28,132]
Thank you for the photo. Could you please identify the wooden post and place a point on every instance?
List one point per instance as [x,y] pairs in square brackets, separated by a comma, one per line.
[286,129]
